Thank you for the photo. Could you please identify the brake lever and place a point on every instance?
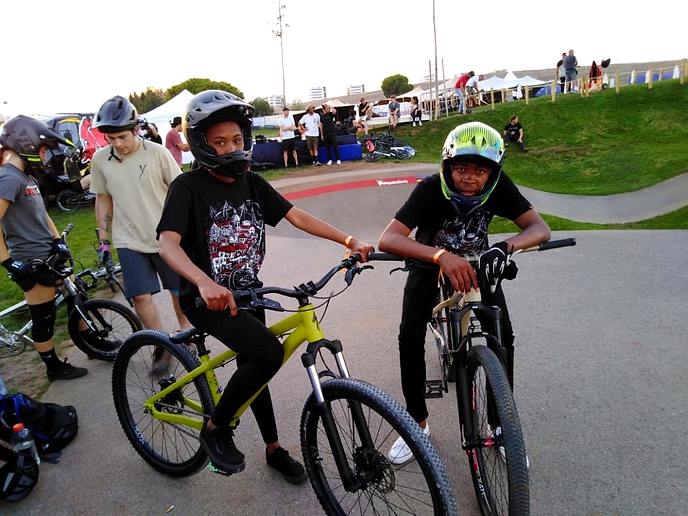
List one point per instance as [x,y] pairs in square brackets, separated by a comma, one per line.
[350,273]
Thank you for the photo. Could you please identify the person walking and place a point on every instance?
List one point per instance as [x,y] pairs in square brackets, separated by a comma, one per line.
[173,140]
[29,233]
[130,178]
[570,67]
[328,127]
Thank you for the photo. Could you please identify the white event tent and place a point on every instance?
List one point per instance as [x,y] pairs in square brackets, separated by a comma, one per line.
[162,115]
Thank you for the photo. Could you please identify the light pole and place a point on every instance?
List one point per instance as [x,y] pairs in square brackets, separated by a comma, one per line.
[279,33]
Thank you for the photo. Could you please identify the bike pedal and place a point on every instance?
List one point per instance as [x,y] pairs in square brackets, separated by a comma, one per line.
[217,470]
[434,389]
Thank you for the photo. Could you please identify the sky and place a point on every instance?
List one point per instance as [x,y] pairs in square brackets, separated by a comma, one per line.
[74,55]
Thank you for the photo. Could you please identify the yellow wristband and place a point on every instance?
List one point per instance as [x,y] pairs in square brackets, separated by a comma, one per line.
[437,255]
[348,240]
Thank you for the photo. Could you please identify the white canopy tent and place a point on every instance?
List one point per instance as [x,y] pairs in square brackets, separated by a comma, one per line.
[161,116]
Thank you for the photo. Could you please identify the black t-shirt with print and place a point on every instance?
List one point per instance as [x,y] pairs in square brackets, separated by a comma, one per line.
[439,224]
[222,226]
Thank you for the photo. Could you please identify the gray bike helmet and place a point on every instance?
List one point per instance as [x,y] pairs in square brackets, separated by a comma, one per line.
[26,136]
[115,115]
[473,142]
[209,108]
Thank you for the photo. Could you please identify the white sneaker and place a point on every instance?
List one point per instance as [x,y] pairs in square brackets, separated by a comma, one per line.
[400,453]
[420,122]
[339,162]
[329,162]
[414,124]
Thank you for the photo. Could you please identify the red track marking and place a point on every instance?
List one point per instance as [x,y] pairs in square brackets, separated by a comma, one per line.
[366,183]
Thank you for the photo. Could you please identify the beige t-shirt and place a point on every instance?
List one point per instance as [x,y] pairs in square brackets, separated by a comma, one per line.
[138,187]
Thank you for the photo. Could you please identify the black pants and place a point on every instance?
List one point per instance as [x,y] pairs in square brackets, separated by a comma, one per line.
[416,113]
[420,296]
[260,356]
[330,140]
[512,136]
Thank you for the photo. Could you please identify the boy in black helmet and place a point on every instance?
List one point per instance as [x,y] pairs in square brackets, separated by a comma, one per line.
[29,233]
[451,212]
[212,232]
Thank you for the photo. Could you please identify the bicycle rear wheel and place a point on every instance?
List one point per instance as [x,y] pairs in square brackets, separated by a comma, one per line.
[373,156]
[420,486]
[68,201]
[112,322]
[170,448]
[498,459]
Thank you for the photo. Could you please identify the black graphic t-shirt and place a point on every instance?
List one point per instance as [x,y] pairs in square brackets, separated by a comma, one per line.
[222,226]
[440,225]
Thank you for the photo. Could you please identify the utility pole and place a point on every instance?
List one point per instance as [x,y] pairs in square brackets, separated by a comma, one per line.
[437,89]
[279,32]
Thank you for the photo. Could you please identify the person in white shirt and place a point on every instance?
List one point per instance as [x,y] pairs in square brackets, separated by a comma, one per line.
[310,122]
[473,90]
[287,126]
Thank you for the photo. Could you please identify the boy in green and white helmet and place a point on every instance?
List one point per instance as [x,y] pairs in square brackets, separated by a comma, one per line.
[451,212]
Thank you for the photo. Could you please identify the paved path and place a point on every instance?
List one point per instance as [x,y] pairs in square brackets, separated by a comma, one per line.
[622,208]
[600,383]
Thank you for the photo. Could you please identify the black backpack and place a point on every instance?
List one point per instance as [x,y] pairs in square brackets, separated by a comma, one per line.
[53,426]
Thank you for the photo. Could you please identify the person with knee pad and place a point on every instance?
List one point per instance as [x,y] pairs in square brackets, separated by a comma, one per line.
[29,233]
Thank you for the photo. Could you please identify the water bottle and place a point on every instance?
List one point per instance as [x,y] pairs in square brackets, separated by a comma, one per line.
[23,443]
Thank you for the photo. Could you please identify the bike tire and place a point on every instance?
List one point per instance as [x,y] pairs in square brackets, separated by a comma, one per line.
[169,448]
[401,154]
[66,200]
[499,467]
[114,323]
[420,486]
[11,343]
[375,156]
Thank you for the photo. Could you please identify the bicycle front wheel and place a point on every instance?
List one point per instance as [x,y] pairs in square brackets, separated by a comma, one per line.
[172,449]
[112,323]
[498,458]
[420,486]
[373,156]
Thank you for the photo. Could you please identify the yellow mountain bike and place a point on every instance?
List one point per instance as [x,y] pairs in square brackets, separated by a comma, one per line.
[347,425]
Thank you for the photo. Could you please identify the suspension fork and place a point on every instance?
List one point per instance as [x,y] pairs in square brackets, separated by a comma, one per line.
[350,480]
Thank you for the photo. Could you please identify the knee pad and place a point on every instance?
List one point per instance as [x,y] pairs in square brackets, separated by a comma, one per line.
[43,318]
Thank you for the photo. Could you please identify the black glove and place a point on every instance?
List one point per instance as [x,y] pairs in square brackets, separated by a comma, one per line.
[491,265]
[20,273]
[61,255]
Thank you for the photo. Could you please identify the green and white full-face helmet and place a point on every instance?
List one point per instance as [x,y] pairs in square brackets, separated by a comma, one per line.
[473,142]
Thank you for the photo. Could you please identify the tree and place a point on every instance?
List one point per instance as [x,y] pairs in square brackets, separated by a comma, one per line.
[262,107]
[198,85]
[395,85]
[147,100]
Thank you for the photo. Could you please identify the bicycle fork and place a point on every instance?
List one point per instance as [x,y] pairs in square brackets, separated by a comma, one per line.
[350,480]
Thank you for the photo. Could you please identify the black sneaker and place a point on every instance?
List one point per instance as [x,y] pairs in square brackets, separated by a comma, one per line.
[220,447]
[291,469]
[67,372]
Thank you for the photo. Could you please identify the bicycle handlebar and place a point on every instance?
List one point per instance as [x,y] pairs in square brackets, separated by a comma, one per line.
[303,291]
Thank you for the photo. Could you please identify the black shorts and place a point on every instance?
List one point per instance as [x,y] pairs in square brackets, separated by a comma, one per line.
[289,144]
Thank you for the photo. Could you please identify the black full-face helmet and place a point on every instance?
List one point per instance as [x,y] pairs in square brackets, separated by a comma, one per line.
[473,142]
[115,115]
[26,135]
[207,109]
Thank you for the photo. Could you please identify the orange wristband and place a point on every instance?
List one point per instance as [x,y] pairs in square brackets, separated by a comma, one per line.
[438,254]
[348,240]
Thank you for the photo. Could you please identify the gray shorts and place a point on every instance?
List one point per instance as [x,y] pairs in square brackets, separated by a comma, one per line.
[140,272]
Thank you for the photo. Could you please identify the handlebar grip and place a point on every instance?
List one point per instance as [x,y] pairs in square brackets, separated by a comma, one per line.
[66,230]
[385,257]
[200,303]
[554,244]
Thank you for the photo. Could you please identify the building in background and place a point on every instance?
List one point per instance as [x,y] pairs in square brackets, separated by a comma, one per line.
[355,89]
[276,101]
[317,93]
